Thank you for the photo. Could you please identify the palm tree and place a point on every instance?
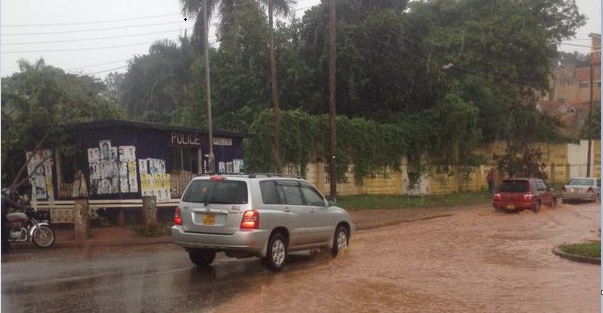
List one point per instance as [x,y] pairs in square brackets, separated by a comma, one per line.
[196,8]
[282,7]
[203,9]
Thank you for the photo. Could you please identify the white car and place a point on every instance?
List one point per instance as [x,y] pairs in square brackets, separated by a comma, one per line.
[261,215]
[582,188]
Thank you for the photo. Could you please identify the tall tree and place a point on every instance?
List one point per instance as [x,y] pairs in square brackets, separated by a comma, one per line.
[202,9]
[157,83]
[497,55]
[37,102]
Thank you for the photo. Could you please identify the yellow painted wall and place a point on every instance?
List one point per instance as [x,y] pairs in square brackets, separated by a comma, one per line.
[438,181]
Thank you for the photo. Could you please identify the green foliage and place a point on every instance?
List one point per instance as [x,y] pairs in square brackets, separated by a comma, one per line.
[158,81]
[589,249]
[369,145]
[36,103]
[394,202]
[595,129]
[366,144]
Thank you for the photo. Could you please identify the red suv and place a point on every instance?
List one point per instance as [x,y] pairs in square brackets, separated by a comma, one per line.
[523,193]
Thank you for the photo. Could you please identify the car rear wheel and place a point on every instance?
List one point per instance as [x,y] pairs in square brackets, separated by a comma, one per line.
[537,208]
[202,257]
[277,253]
[340,240]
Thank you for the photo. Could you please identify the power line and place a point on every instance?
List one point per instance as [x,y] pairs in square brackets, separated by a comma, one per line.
[85,39]
[89,30]
[109,70]
[93,65]
[78,49]
[93,22]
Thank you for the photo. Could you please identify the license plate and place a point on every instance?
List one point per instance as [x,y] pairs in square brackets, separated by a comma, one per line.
[576,190]
[510,207]
[209,219]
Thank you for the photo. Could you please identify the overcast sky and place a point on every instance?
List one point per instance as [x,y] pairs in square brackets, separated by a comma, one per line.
[96,37]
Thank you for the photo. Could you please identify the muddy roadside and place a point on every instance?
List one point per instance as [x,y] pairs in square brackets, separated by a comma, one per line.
[374,218]
[363,219]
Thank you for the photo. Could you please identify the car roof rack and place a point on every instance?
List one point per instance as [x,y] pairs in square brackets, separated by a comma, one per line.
[216,173]
[265,175]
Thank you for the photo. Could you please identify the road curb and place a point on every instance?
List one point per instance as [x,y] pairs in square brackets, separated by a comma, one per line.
[396,222]
[576,258]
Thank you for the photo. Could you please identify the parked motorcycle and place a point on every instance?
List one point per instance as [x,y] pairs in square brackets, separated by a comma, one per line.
[24,226]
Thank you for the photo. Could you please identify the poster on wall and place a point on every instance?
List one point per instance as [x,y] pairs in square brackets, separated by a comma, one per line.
[237,166]
[154,180]
[39,169]
[112,169]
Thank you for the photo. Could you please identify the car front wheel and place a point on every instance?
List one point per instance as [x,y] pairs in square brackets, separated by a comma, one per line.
[340,240]
[277,253]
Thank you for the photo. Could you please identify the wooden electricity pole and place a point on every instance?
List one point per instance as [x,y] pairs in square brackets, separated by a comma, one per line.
[277,110]
[590,120]
[211,162]
[332,133]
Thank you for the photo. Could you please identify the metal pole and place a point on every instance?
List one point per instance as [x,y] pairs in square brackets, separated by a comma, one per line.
[211,161]
[332,69]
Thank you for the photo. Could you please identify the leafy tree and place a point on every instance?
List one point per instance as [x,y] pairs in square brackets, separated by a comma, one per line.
[595,129]
[36,103]
[158,81]
[496,54]
[114,82]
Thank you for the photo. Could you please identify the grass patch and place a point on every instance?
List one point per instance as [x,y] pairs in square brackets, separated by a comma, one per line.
[589,249]
[359,202]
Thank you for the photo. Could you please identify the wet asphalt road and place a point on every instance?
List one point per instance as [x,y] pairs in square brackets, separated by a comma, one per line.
[473,261]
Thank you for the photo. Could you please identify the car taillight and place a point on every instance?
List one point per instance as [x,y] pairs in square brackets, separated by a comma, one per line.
[177,217]
[563,189]
[496,197]
[251,220]
[527,197]
[218,178]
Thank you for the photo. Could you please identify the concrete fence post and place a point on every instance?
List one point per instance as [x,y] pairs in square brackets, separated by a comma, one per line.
[149,211]
[81,219]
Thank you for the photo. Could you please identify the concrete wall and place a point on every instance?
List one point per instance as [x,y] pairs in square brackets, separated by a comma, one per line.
[562,162]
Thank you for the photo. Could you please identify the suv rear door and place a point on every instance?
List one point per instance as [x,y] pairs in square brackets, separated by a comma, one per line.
[214,205]
[299,217]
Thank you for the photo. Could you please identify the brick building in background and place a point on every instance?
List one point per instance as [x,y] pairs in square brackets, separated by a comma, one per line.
[570,96]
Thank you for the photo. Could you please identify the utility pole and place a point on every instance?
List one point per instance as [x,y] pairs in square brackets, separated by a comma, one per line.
[277,110]
[332,69]
[590,120]
[211,161]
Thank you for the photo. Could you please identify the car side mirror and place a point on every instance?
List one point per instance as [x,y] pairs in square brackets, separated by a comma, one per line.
[332,201]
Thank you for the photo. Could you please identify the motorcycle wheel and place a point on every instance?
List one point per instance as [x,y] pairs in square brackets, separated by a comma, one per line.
[43,236]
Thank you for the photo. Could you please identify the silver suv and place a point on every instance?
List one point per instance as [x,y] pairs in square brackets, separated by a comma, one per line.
[262,215]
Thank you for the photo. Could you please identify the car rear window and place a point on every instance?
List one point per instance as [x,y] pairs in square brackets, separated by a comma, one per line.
[222,192]
[581,182]
[514,186]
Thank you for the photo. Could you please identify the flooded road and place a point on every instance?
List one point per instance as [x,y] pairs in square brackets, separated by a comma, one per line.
[474,260]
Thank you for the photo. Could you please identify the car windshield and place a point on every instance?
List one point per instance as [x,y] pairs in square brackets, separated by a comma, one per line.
[514,186]
[580,182]
[210,191]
